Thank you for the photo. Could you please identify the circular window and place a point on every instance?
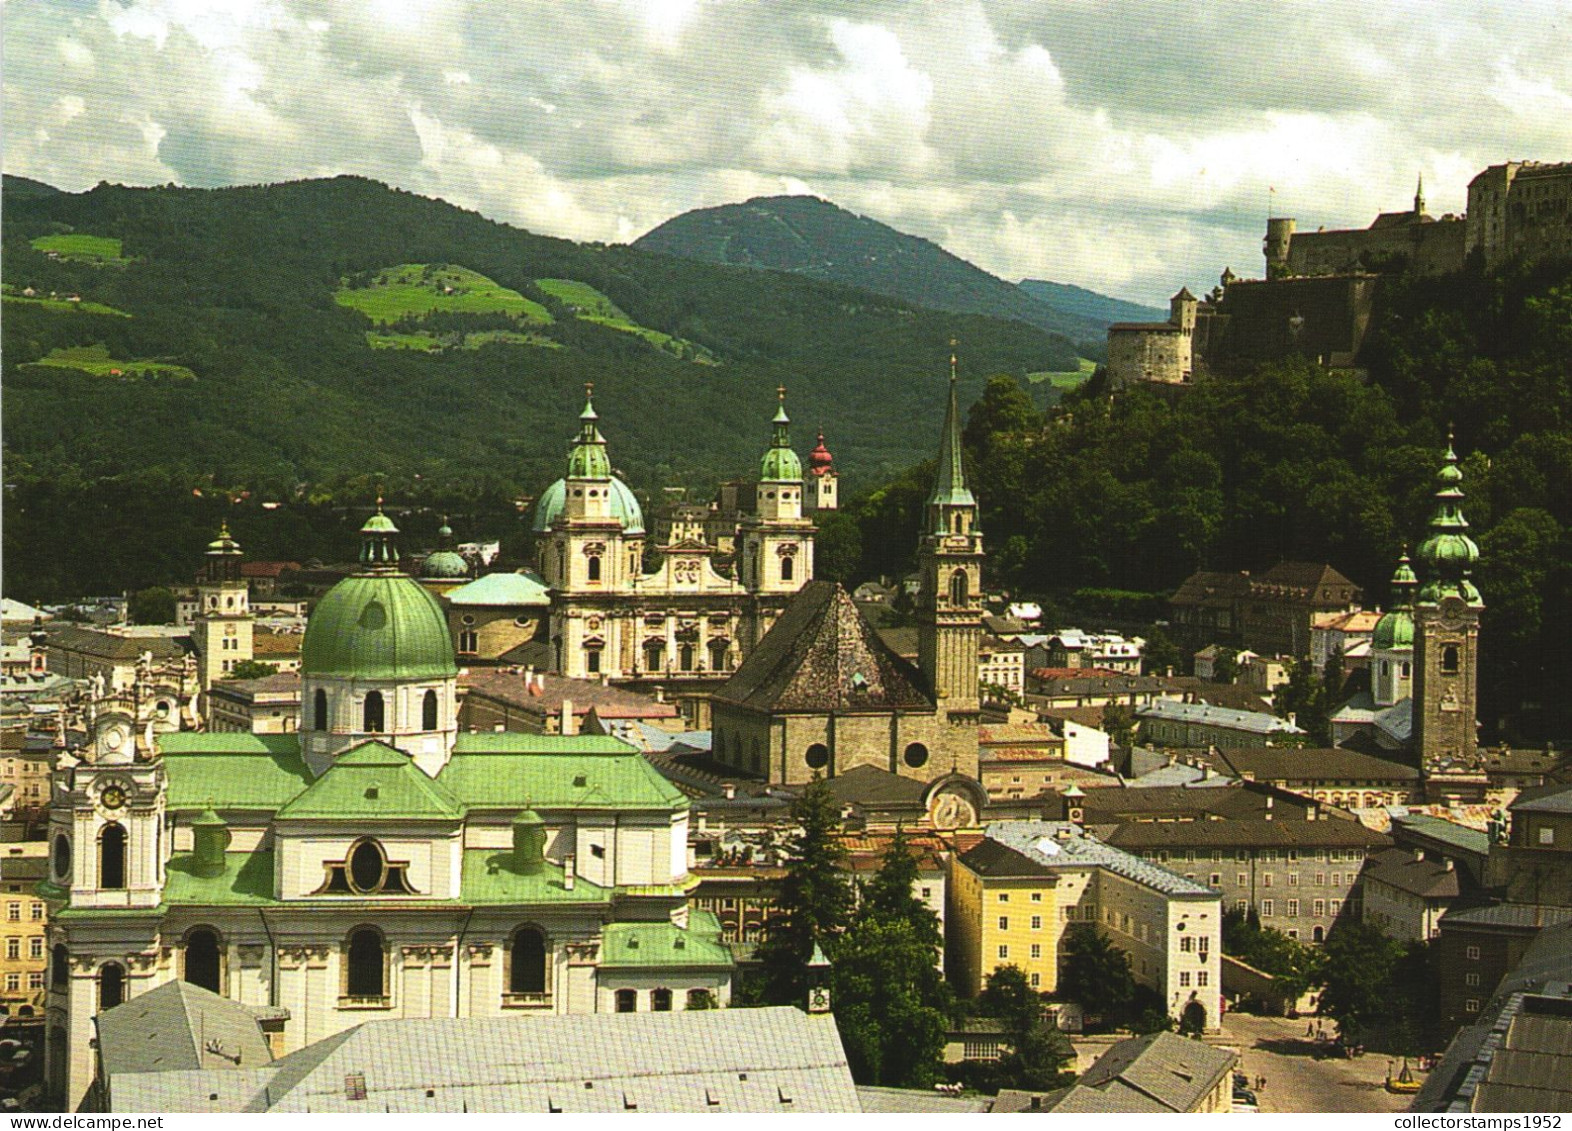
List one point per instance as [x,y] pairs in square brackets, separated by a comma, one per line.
[467,618]
[367,866]
[522,622]
[916,755]
[577,492]
[62,856]
[817,756]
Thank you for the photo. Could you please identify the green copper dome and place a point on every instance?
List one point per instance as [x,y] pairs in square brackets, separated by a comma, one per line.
[444,563]
[780,462]
[1448,554]
[1395,630]
[224,543]
[378,626]
[623,505]
[587,458]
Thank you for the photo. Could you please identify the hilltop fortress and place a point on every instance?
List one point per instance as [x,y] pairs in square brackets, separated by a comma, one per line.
[1319,289]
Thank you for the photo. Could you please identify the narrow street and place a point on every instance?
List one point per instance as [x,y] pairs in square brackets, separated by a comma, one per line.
[1276,1048]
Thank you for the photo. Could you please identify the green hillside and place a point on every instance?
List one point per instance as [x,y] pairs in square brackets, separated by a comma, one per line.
[812,237]
[244,288]
[1089,304]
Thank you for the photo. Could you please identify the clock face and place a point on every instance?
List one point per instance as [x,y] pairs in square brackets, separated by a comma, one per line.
[113,797]
[114,737]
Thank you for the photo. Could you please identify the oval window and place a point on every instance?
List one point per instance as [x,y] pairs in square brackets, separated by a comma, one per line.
[367,866]
[817,756]
[62,856]
[916,755]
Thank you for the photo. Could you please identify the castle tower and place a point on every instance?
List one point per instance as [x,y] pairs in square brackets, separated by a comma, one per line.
[223,629]
[776,556]
[823,483]
[1392,642]
[949,595]
[1279,234]
[1446,633]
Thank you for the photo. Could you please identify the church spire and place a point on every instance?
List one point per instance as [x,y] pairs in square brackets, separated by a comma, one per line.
[780,464]
[587,458]
[949,484]
[1419,197]
[1449,554]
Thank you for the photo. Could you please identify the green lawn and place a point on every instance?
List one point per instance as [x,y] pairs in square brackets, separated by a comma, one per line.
[95,360]
[1072,379]
[591,305]
[8,293]
[434,343]
[417,289]
[91,249]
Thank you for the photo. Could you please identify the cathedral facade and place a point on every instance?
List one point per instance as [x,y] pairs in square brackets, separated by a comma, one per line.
[375,864]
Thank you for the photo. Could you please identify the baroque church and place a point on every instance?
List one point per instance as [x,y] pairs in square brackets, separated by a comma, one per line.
[685,626]
[377,863]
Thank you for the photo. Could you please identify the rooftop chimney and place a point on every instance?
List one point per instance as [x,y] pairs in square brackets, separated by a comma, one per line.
[569,871]
[565,725]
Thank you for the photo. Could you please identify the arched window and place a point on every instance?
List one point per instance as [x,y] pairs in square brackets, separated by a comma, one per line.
[527,962]
[718,655]
[660,1001]
[627,1001]
[112,857]
[111,985]
[59,966]
[203,959]
[654,655]
[594,568]
[366,964]
[685,657]
[62,857]
[700,999]
[371,713]
[788,567]
[1449,664]
[916,755]
[1319,934]
[468,641]
[428,711]
[958,587]
[817,756]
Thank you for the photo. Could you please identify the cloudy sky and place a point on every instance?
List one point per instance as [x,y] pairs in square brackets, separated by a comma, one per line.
[1124,145]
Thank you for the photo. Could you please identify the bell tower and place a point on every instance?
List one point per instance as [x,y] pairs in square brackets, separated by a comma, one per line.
[222,632]
[949,595]
[1446,634]
[777,542]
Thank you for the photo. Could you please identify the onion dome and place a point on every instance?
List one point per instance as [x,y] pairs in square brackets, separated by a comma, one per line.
[379,623]
[1448,554]
[820,461]
[781,464]
[1395,630]
[224,544]
[445,563]
[587,459]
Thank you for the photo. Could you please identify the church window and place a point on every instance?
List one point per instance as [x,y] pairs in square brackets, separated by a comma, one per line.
[958,587]
[367,866]
[319,711]
[1449,663]
[1407,669]
[627,1001]
[660,1001]
[371,713]
[916,755]
[62,857]
[592,660]
[685,657]
[428,711]
[112,857]
[717,655]
[468,641]
[203,959]
[594,568]
[655,655]
[111,985]
[527,962]
[366,870]
[365,964]
[59,965]
[787,567]
[817,756]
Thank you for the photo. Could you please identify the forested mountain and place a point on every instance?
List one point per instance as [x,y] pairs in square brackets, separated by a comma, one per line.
[1070,299]
[809,236]
[298,341]
[1134,491]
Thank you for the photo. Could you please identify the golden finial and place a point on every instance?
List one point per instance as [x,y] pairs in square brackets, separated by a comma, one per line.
[953,344]
[780,393]
[589,390]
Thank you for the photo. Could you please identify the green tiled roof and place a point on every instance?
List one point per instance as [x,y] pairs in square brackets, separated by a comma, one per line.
[504,589]
[232,771]
[373,782]
[664,944]
[489,878]
[618,777]
[513,743]
[378,626]
[247,879]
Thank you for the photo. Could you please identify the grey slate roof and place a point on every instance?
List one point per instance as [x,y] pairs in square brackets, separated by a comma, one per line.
[823,655]
[1399,868]
[1544,799]
[1252,722]
[1160,1072]
[1318,765]
[178,1025]
[1513,916]
[908,1101]
[1051,845]
[730,1060]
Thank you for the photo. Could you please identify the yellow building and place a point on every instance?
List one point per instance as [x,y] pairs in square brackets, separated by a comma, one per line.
[1015,894]
[22,961]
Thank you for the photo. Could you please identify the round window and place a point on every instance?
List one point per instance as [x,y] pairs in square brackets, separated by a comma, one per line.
[916,755]
[817,756]
[366,866]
